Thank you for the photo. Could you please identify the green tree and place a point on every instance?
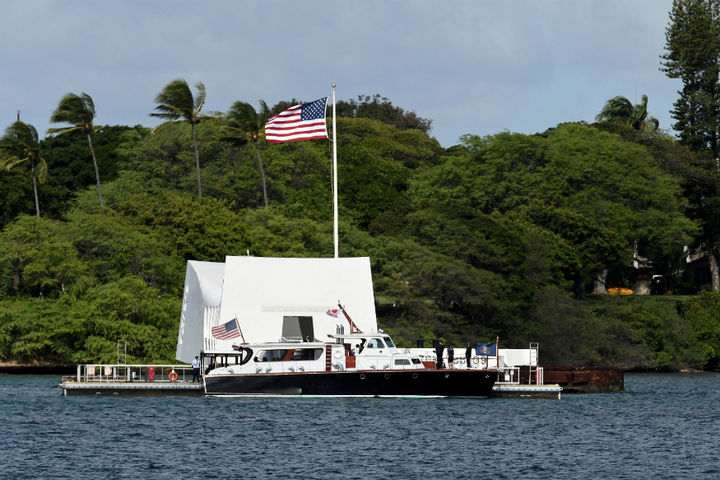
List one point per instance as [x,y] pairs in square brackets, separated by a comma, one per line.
[79,110]
[243,118]
[619,109]
[593,194]
[377,107]
[693,56]
[692,44]
[20,144]
[176,102]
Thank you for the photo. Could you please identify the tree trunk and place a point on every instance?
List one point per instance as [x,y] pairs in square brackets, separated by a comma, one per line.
[97,173]
[714,270]
[642,284]
[197,159]
[262,172]
[599,287]
[37,199]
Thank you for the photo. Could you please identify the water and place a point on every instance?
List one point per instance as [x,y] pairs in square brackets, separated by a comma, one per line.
[664,426]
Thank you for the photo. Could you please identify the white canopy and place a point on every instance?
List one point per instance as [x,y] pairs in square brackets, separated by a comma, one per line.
[271,298]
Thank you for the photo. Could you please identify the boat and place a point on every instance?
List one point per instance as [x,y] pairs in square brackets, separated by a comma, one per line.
[354,365]
[272,326]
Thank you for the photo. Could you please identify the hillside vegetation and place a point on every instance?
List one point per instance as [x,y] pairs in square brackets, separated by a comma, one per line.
[502,236]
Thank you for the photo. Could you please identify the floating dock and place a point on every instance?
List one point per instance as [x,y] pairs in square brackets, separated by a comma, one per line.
[527,391]
[131,388]
[155,380]
[128,380]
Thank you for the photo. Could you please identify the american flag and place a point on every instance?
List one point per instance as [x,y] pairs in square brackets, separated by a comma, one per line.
[333,312]
[301,122]
[226,330]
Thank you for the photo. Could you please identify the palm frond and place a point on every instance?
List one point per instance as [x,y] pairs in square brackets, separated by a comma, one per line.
[63,130]
[7,163]
[22,132]
[41,170]
[616,109]
[175,101]
[78,110]
[163,126]
[200,98]
[263,114]
[242,115]
[234,135]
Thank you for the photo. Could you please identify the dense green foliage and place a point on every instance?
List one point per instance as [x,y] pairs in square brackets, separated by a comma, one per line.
[501,236]
[693,56]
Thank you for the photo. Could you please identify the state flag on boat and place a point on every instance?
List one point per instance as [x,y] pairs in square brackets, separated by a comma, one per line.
[227,330]
[486,349]
[301,122]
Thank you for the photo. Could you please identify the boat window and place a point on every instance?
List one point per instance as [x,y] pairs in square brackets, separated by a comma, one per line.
[401,361]
[389,342]
[375,343]
[307,354]
[416,361]
[271,355]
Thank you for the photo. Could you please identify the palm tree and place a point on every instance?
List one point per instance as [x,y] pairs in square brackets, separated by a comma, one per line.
[79,110]
[20,144]
[176,102]
[242,117]
[619,109]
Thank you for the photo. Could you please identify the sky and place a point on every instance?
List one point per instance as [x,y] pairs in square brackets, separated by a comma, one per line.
[476,67]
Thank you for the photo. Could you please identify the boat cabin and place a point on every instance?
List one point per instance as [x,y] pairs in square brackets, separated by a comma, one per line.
[347,353]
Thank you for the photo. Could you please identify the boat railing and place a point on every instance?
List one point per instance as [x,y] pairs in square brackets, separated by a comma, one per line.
[132,373]
[511,376]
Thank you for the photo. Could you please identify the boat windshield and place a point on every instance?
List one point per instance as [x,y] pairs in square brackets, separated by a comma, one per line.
[375,343]
[389,342]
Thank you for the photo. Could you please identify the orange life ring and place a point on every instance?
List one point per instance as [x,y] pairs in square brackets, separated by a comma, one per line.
[173,376]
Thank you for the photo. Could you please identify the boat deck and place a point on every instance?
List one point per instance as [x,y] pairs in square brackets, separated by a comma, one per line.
[131,388]
[527,391]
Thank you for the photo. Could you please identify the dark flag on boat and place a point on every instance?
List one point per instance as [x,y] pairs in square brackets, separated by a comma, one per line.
[486,349]
[301,122]
[226,330]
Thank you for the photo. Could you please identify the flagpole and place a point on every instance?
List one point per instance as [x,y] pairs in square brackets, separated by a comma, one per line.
[335,183]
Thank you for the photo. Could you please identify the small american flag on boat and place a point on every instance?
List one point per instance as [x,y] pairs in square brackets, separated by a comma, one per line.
[226,330]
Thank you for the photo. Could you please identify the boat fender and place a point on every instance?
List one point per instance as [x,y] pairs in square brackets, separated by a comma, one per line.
[173,376]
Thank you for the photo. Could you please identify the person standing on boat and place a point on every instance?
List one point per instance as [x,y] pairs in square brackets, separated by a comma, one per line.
[468,354]
[451,356]
[439,348]
[196,369]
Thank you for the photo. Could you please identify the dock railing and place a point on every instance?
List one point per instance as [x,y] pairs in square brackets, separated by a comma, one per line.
[131,373]
[511,376]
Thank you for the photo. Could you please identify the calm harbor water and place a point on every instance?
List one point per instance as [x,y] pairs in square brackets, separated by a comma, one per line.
[664,426]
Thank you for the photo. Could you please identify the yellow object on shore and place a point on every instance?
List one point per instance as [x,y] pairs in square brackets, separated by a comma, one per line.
[620,291]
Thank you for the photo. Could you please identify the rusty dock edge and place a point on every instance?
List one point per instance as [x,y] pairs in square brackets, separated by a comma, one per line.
[577,379]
